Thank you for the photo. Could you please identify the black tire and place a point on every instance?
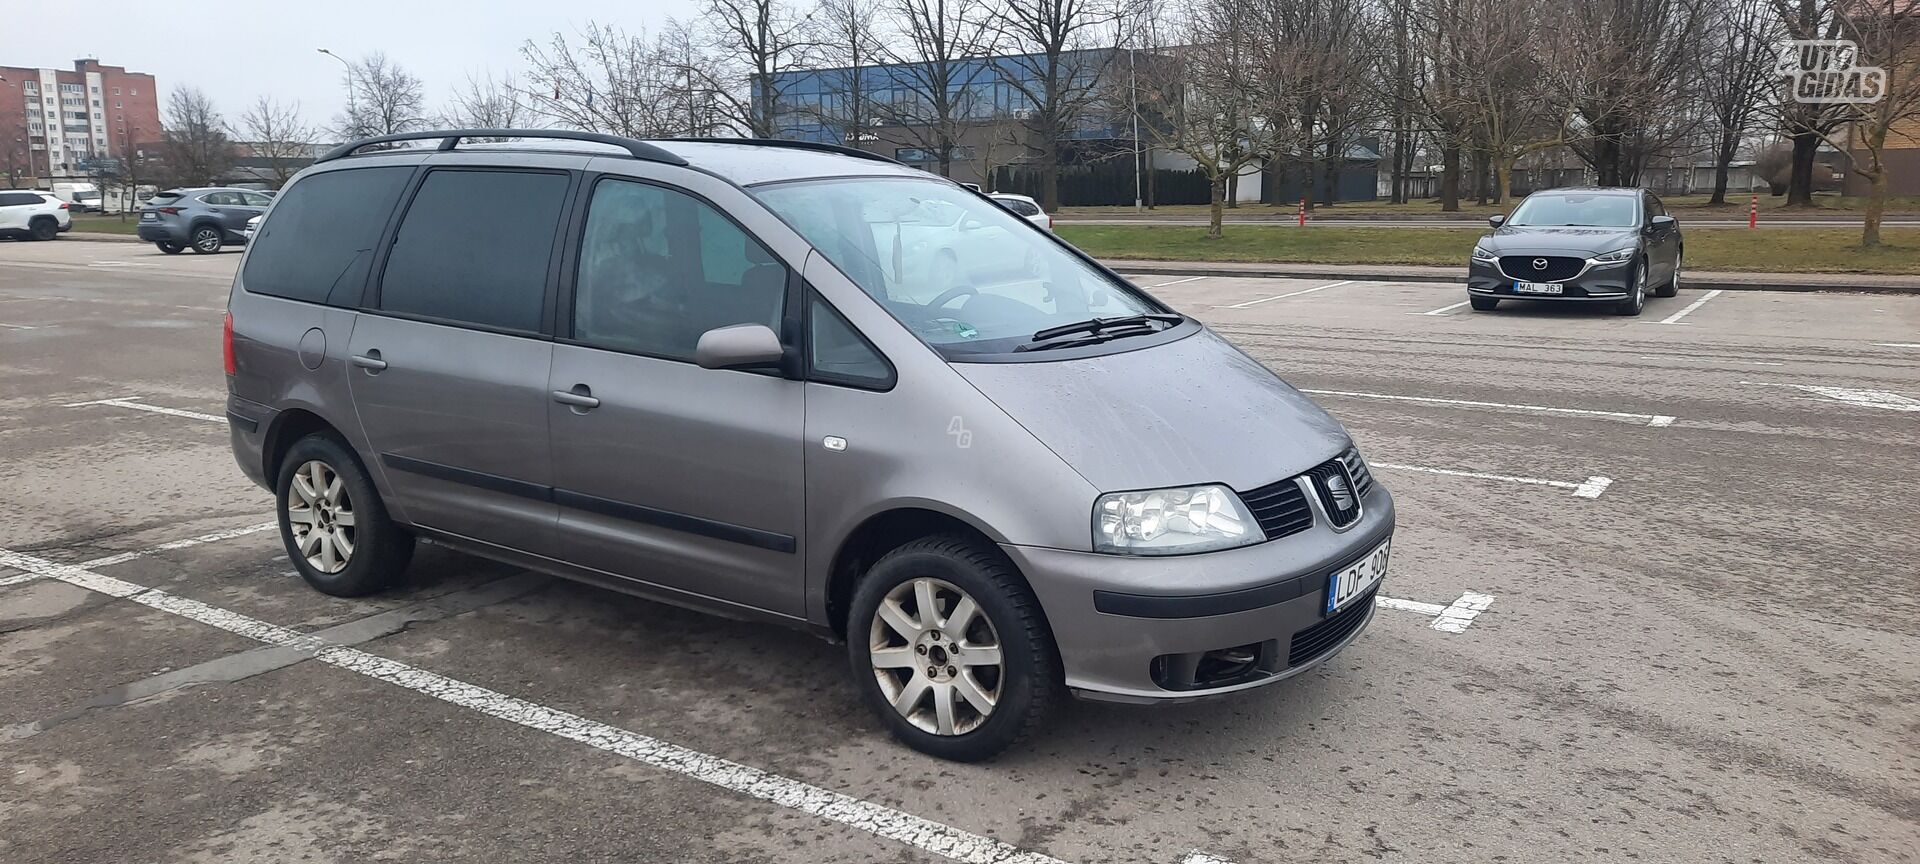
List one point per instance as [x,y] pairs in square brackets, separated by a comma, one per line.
[170,247]
[1672,286]
[381,548]
[44,229]
[1637,295]
[1483,304]
[206,240]
[1031,678]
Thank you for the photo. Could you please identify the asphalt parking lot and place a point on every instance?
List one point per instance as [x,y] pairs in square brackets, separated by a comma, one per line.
[1653,598]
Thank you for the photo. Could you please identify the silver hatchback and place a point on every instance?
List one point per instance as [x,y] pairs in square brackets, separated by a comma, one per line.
[800,384]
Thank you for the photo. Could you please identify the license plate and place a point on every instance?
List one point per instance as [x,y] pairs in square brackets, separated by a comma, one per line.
[149,217]
[1538,287]
[1353,581]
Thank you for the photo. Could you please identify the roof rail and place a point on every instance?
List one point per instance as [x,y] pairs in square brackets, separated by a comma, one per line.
[797,145]
[450,138]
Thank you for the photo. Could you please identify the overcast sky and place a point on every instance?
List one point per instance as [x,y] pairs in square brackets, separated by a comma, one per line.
[235,53]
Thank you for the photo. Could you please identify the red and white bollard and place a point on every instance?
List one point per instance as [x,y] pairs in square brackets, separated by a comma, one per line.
[1303,212]
[1753,213]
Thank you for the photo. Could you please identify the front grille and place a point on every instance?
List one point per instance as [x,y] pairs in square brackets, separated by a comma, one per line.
[1320,638]
[1339,492]
[1357,469]
[1559,267]
[1280,508]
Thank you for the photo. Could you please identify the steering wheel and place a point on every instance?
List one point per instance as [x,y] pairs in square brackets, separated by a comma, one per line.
[951,294]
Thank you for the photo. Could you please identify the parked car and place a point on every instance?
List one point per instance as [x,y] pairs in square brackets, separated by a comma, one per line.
[1023,207]
[1585,245]
[253,227]
[83,197]
[30,215]
[694,371]
[202,219]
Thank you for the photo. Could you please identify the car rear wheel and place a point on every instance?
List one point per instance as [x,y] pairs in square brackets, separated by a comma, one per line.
[44,229]
[334,526]
[170,247]
[1673,285]
[206,240]
[949,647]
[1483,304]
[1637,299]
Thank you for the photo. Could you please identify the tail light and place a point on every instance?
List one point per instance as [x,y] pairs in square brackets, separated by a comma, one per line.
[64,205]
[167,210]
[226,345]
[1049,221]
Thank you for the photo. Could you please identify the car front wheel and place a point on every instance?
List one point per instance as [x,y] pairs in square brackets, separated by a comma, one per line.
[950,649]
[1637,296]
[1672,287]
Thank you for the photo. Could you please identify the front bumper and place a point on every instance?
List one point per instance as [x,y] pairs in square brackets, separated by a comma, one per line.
[1266,600]
[1596,283]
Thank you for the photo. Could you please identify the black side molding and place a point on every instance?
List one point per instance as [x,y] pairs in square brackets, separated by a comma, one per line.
[245,424]
[1200,605]
[676,521]
[490,482]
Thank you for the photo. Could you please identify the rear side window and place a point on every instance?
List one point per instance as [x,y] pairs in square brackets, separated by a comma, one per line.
[221,199]
[474,248]
[18,199]
[1019,207]
[658,268]
[321,237]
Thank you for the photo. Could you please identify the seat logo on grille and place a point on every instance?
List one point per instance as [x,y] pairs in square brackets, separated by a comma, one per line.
[1539,263]
[1340,490]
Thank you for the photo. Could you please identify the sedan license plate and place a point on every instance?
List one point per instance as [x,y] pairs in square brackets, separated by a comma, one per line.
[1355,580]
[1538,287]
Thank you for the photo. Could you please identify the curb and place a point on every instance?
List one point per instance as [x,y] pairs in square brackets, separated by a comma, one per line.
[1759,282]
[98,237]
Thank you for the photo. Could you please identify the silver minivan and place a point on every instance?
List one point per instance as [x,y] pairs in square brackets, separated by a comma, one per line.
[798,384]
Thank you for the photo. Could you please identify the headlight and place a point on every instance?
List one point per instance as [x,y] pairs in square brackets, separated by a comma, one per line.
[1172,521]
[1615,255]
[1480,254]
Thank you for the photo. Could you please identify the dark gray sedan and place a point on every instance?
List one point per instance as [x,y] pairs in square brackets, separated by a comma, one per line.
[1588,245]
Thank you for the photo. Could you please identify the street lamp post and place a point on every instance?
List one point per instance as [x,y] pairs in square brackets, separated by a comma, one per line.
[353,111]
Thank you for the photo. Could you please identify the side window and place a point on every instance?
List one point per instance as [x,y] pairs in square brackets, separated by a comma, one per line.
[474,248]
[1659,207]
[659,267]
[220,199]
[17,199]
[838,355]
[322,235]
[255,199]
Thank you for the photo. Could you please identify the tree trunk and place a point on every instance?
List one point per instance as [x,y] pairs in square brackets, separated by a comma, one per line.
[1806,146]
[1877,191]
[1480,172]
[1722,163]
[1219,190]
[1152,181]
[1331,174]
[1503,174]
[1050,172]
[1399,182]
[1450,179]
[1233,190]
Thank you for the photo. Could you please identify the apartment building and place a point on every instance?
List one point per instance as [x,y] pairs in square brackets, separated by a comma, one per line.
[56,122]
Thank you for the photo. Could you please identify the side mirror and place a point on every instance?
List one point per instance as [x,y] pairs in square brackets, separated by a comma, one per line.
[740,346]
[1496,220]
[1662,223]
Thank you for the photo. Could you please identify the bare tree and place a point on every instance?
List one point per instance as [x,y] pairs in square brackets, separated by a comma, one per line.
[198,149]
[1626,71]
[1805,123]
[1886,34]
[276,133]
[756,40]
[848,42]
[1056,71]
[1206,97]
[1734,69]
[932,90]
[611,81]
[694,104]
[485,103]
[387,99]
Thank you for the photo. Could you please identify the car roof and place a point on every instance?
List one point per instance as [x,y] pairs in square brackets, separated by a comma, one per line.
[1592,190]
[748,163]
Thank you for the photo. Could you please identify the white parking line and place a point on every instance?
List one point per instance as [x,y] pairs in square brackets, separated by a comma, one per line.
[1675,317]
[16,326]
[128,402]
[1428,609]
[879,820]
[1285,296]
[1883,399]
[124,557]
[1444,309]
[1898,344]
[1178,281]
[1455,618]
[1651,419]
[1591,487]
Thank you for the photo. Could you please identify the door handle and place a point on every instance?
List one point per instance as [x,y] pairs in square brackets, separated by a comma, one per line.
[370,361]
[580,397]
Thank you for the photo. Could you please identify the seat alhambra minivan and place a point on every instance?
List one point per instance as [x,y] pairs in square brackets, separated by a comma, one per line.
[800,385]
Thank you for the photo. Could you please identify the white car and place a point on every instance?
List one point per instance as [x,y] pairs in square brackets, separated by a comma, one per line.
[253,227]
[31,215]
[1023,207]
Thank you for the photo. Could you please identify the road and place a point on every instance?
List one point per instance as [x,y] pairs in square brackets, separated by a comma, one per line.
[1653,600]
[1337,222]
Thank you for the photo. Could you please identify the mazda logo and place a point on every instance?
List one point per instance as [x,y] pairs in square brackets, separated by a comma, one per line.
[1539,263]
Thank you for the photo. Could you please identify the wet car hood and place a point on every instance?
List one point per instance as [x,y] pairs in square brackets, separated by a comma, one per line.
[1578,242]
[1192,411]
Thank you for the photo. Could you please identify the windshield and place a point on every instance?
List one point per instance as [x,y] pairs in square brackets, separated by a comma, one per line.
[960,271]
[85,196]
[1574,210]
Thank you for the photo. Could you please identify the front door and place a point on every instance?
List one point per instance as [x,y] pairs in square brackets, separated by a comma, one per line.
[449,375]
[685,478]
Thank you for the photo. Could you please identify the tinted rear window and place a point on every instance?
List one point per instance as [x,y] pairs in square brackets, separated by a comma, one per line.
[321,237]
[1020,207]
[16,199]
[163,198]
[474,247]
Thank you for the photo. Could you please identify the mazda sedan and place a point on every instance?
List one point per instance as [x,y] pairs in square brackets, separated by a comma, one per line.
[1588,245]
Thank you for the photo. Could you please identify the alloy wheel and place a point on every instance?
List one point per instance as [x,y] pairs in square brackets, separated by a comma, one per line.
[936,656]
[1677,256]
[206,240]
[322,517]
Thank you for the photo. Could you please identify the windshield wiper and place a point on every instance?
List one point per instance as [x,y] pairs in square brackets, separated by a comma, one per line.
[1099,326]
